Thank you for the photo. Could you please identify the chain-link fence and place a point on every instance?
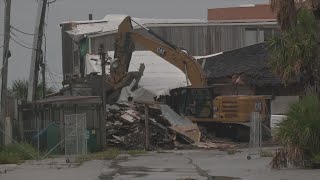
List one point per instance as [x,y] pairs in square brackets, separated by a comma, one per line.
[260,136]
[76,135]
[38,138]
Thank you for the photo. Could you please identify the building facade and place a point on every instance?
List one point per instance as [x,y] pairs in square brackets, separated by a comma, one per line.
[198,37]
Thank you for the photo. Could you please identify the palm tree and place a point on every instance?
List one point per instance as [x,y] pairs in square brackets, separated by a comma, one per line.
[293,52]
[286,10]
[286,13]
[296,51]
[19,90]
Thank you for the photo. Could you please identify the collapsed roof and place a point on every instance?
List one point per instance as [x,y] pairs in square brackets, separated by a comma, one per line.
[251,61]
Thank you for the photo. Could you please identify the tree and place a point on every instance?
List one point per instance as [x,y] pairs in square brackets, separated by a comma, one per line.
[293,52]
[19,90]
[296,52]
[286,12]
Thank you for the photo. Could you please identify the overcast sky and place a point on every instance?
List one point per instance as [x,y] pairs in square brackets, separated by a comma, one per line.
[24,12]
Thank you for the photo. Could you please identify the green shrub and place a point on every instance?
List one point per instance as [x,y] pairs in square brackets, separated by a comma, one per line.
[302,125]
[265,153]
[316,158]
[9,158]
[15,153]
[24,150]
[299,133]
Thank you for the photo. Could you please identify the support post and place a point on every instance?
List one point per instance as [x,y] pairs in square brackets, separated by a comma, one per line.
[102,53]
[4,68]
[146,122]
[62,135]
[103,76]
[38,129]
[103,128]
[19,117]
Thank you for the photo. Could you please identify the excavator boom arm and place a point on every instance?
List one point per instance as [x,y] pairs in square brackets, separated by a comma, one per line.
[185,62]
[180,59]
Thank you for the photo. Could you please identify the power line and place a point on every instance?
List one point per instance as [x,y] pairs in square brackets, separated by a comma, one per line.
[52,80]
[22,31]
[56,76]
[22,44]
[55,73]
[52,70]
[53,1]
[51,86]
[20,39]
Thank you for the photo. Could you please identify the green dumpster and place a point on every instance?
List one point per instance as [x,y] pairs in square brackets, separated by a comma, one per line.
[92,140]
[53,132]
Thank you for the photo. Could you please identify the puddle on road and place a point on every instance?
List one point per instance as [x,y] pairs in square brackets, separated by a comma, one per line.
[136,171]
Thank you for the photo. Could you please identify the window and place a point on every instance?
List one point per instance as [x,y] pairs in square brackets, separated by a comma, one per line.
[257,35]
[251,37]
[268,33]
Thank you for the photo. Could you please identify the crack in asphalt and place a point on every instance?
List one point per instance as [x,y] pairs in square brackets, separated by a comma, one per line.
[199,170]
[203,173]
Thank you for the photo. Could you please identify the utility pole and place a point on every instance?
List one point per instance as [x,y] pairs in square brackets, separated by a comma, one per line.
[36,52]
[43,71]
[4,68]
[103,76]
[103,60]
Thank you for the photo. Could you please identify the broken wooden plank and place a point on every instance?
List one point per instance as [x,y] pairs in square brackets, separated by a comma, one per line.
[128,118]
[181,125]
[191,131]
[209,145]
[133,113]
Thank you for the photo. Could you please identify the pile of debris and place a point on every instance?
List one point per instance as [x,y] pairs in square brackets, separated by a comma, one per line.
[126,128]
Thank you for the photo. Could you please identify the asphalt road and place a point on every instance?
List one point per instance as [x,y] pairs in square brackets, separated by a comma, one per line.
[192,164]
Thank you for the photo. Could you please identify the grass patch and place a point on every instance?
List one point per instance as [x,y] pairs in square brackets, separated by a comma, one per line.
[108,154]
[232,151]
[9,158]
[136,152]
[16,153]
[163,151]
[265,153]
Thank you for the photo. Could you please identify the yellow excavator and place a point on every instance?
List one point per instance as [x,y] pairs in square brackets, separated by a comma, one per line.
[195,101]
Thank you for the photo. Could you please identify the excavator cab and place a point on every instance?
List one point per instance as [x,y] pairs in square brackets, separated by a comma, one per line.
[190,101]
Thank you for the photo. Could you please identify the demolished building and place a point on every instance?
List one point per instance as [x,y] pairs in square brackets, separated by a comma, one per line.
[82,66]
[199,38]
